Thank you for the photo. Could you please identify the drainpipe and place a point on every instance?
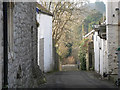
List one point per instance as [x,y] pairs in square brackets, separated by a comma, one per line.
[5,49]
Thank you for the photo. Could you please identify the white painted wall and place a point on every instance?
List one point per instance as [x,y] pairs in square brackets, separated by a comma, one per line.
[45,31]
[100,52]
[40,35]
[103,57]
[96,51]
[1,47]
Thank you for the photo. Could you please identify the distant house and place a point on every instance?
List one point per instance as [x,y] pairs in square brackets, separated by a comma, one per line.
[45,56]
[90,51]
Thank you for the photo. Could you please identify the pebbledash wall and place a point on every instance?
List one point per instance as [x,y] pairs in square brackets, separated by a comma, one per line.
[23,71]
[1,43]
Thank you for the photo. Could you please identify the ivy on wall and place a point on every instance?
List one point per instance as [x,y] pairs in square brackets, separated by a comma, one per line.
[82,54]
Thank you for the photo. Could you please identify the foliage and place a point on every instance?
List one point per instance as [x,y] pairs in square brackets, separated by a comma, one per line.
[68,60]
[82,54]
[62,50]
[82,61]
[69,45]
[92,19]
[65,16]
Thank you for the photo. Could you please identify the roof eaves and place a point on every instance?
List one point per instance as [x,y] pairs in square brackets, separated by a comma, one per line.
[43,10]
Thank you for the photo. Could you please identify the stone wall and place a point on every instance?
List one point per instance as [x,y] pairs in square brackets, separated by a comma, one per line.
[113,31]
[23,70]
[70,67]
[1,43]
[90,52]
[112,44]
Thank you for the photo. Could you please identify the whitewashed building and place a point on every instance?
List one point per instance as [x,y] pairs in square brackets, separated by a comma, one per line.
[107,41]
[100,52]
[44,18]
[106,61]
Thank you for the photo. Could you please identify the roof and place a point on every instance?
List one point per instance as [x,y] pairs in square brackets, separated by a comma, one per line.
[43,9]
[89,34]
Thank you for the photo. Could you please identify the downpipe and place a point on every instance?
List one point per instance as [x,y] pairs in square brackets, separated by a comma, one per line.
[5,49]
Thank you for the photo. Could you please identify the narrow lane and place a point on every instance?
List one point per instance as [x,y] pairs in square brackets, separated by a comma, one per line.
[75,79]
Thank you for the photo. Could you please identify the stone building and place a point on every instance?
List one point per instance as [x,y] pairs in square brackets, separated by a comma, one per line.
[106,42]
[45,45]
[90,51]
[113,35]
[20,53]
[1,44]
[100,50]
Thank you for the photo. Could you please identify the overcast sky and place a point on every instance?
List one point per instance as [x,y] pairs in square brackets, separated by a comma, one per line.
[93,1]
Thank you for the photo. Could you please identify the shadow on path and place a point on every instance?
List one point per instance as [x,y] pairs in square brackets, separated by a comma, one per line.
[75,79]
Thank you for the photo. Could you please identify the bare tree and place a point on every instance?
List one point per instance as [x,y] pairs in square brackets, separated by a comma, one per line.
[65,16]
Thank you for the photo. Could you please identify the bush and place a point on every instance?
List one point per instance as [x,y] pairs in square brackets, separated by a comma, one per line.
[82,54]
[82,61]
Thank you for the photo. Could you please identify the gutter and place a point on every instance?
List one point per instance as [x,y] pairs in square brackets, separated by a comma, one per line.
[5,48]
[46,13]
[43,12]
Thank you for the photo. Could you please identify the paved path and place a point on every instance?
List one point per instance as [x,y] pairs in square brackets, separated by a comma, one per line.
[75,79]
[70,67]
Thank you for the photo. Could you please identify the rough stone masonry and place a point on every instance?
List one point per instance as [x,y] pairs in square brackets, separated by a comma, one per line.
[1,43]
[113,40]
[23,71]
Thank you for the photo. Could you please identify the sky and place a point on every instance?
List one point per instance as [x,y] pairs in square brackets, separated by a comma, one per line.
[93,1]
